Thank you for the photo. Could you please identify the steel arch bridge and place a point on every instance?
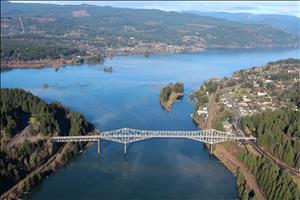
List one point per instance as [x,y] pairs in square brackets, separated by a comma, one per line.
[128,135]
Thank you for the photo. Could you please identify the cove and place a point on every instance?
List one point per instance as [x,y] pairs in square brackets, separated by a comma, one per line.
[129,97]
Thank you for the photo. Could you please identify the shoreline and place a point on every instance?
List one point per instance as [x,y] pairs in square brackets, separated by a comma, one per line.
[232,164]
[172,99]
[58,63]
[227,156]
[46,169]
[219,154]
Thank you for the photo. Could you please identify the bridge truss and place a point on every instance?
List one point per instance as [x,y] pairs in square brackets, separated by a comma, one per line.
[128,135]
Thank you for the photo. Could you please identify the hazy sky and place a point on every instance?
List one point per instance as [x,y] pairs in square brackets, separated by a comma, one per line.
[258,7]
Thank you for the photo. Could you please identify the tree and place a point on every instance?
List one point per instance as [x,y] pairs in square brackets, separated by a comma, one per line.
[179,87]
[11,126]
[274,182]
[274,129]
[165,93]
[217,98]
[17,162]
[289,154]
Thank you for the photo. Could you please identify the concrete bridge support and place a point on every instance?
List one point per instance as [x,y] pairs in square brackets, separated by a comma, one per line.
[125,148]
[211,149]
[99,146]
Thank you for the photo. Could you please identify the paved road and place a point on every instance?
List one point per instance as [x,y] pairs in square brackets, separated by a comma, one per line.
[211,109]
[239,126]
[280,164]
[18,138]
[247,174]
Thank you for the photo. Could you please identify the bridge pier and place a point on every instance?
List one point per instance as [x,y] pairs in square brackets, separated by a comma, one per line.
[125,149]
[99,146]
[211,149]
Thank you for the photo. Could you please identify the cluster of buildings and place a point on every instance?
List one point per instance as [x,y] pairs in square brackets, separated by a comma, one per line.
[119,45]
[248,105]
[252,91]
[139,46]
[259,89]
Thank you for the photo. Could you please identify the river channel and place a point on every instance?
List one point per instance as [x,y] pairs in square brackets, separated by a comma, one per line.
[129,97]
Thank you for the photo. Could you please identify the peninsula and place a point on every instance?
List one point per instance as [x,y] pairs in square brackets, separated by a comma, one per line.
[264,102]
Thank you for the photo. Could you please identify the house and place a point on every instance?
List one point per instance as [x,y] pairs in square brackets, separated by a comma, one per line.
[200,112]
[245,99]
[255,84]
[261,94]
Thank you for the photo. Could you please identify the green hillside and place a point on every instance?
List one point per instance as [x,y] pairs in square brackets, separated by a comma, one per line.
[25,120]
[93,29]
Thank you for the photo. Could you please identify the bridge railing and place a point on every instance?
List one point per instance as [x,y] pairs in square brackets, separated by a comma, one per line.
[127,135]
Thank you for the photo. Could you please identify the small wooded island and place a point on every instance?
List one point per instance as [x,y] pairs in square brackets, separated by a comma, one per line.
[170,93]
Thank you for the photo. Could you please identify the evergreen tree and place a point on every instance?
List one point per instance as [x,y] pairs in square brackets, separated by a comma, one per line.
[289,154]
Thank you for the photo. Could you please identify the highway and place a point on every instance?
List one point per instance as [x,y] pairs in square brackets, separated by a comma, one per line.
[239,127]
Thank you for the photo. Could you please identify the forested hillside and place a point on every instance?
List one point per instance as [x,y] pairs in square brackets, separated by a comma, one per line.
[275,183]
[279,132]
[26,124]
[95,29]
[262,102]
[284,22]
[26,50]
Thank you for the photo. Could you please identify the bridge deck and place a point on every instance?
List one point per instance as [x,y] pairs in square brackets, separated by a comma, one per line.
[127,135]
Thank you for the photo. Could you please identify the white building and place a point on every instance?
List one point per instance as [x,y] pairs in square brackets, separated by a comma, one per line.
[261,94]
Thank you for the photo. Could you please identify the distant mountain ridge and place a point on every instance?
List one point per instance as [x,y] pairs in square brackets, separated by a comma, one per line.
[284,22]
[92,29]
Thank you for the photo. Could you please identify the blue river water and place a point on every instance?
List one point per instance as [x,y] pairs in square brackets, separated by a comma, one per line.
[129,97]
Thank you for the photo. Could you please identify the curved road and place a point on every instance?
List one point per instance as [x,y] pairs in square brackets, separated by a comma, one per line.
[280,164]
[250,178]
[239,126]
